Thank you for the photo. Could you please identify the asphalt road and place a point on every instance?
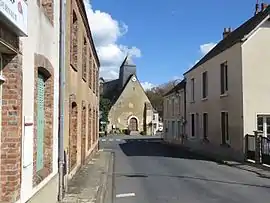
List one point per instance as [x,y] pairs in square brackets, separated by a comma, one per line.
[147,171]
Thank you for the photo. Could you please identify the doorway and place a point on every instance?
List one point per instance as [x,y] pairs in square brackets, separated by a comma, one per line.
[83,135]
[133,124]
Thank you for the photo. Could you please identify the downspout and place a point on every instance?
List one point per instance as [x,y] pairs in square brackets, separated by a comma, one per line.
[185,107]
[61,96]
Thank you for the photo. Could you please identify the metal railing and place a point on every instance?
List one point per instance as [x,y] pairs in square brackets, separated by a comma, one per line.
[257,148]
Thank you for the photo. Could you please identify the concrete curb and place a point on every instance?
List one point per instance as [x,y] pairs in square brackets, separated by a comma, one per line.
[103,188]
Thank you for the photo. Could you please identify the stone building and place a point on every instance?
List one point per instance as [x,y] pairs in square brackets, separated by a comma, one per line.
[174,108]
[81,91]
[131,109]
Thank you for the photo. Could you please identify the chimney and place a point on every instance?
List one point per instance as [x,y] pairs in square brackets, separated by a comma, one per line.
[226,32]
[263,6]
[256,9]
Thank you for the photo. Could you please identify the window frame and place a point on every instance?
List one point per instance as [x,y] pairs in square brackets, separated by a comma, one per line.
[264,116]
[192,89]
[227,135]
[224,78]
[205,125]
[193,124]
[204,84]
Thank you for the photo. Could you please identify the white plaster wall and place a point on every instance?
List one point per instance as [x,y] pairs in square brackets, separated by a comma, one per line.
[43,38]
[177,115]
[256,71]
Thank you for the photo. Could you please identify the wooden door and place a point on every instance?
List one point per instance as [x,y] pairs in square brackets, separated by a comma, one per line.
[133,124]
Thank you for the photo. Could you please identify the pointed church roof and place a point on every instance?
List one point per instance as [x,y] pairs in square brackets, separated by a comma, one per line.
[128,61]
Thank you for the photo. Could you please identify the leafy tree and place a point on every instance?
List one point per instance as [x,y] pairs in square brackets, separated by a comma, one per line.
[155,95]
[104,107]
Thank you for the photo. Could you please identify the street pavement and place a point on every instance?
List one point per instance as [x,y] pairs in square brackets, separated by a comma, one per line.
[147,171]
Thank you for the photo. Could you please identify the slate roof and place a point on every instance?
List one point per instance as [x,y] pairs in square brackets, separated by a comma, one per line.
[234,37]
[179,86]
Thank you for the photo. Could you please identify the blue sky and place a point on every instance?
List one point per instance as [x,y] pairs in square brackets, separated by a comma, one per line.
[167,36]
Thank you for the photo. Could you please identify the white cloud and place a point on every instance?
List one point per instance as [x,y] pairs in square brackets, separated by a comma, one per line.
[177,77]
[147,85]
[205,48]
[106,31]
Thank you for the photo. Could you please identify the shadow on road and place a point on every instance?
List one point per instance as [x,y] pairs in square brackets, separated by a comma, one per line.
[145,175]
[155,147]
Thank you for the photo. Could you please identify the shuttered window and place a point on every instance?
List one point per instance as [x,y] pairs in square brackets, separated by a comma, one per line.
[40,121]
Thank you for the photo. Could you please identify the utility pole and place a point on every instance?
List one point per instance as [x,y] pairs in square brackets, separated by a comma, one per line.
[62,25]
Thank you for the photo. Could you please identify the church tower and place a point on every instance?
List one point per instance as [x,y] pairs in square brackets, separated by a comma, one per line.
[127,69]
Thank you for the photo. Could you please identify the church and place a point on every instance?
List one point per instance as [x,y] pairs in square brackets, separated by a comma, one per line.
[131,111]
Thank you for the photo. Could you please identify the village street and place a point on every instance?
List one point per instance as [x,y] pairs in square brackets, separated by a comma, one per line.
[147,171]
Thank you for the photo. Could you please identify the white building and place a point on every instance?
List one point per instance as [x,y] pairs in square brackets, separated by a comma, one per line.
[174,113]
[226,89]
[39,175]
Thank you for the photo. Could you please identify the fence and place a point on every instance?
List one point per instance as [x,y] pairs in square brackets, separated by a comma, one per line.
[258,148]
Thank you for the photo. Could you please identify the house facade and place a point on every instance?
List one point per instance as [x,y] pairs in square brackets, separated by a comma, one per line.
[39,175]
[174,113]
[81,116]
[225,89]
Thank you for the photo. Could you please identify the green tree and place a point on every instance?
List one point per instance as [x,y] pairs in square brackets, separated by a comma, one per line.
[155,95]
[104,107]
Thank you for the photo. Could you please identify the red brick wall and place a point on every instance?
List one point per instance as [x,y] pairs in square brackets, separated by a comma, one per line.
[48,8]
[11,131]
[43,65]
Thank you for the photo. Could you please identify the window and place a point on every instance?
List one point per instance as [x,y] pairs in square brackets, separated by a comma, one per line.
[154,118]
[224,127]
[90,70]
[192,90]
[263,124]
[193,125]
[204,85]
[40,121]
[84,68]
[74,40]
[97,81]
[205,125]
[173,129]
[173,106]
[179,129]
[223,78]
[94,77]
[179,105]
[168,104]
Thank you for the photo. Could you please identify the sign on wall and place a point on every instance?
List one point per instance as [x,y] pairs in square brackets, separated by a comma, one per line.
[15,11]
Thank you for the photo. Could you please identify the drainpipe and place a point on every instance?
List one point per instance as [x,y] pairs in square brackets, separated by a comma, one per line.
[61,96]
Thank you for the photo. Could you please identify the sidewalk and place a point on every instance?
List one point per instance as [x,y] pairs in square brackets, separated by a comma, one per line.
[90,182]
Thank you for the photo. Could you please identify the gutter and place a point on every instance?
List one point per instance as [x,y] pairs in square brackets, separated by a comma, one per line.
[61,97]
